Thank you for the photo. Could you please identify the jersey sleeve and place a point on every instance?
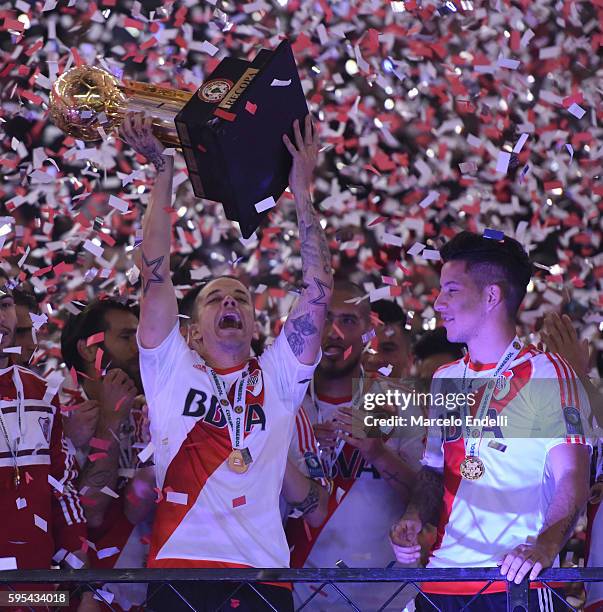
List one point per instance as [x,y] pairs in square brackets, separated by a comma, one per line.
[560,403]
[158,365]
[283,367]
[303,449]
[68,521]
[433,455]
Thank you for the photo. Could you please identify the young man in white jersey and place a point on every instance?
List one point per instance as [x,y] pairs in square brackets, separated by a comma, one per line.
[220,422]
[508,495]
[371,476]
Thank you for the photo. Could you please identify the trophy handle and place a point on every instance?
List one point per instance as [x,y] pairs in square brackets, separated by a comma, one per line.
[161,103]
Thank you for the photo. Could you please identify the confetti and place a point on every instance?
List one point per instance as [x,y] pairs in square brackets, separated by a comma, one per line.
[40,523]
[279,83]
[8,563]
[265,204]
[177,498]
[576,110]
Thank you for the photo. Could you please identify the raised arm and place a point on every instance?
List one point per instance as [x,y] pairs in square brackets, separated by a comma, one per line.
[158,305]
[305,323]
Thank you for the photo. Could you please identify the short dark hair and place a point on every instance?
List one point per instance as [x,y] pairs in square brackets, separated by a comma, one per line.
[23,297]
[88,322]
[389,312]
[186,305]
[489,261]
[435,342]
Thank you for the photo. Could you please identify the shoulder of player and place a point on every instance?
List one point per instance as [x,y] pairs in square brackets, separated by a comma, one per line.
[546,364]
[31,380]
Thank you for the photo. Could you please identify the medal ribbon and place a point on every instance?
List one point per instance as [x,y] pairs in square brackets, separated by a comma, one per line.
[234,420]
[474,438]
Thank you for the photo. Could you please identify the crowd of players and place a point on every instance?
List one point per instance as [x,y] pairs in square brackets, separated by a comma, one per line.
[167,445]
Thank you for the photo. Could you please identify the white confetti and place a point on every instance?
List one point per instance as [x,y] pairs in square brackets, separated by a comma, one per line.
[55,484]
[519,146]
[502,163]
[103,553]
[416,248]
[145,454]
[40,523]
[21,503]
[118,204]
[265,204]
[279,83]
[177,498]
[8,563]
[431,197]
[576,110]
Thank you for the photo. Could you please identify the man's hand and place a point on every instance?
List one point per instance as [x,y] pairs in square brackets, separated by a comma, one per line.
[351,424]
[559,335]
[118,393]
[596,493]
[326,434]
[304,156]
[532,557]
[81,423]
[137,131]
[404,538]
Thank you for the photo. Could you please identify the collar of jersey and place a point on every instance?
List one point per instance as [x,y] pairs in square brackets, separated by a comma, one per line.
[327,399]
[223,371]
[524,354]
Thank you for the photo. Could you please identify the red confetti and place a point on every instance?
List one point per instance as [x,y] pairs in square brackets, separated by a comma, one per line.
[95,339]
[219,112]
[239,501]
[250,107]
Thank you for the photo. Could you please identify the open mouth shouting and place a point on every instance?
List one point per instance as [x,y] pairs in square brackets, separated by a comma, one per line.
[230,320]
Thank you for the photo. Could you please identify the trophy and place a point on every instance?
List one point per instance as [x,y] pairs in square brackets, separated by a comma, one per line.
[230,130]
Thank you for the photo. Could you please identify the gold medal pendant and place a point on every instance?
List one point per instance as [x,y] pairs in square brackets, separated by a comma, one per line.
[236,462]
[472,468]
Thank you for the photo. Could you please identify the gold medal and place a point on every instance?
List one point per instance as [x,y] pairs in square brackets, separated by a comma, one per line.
[236,462]
[472,468]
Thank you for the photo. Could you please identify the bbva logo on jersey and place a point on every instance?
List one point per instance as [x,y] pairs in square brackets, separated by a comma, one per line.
[198,404]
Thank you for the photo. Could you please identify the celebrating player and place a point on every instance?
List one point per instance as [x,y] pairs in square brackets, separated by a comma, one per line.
[221,422]
[507,494]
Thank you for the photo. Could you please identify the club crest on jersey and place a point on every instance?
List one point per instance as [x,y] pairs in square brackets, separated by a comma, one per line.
[313,464]
[573,422]
[45,427]
[503,385]
[255,383]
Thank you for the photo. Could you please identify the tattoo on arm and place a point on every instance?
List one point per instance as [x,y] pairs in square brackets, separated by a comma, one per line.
[315,251]
[394,477]
[321,300]
[302,327]
[312,499]
[154,157]
[149,275]
[427,495]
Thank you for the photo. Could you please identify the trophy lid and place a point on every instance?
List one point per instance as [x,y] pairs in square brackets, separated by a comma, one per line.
[231,132]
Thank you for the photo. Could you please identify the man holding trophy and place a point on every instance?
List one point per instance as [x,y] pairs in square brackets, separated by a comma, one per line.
[221,422]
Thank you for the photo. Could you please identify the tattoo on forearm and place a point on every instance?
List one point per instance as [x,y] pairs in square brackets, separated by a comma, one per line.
[155,277]
[302,327]
[312,499]
[321,300]
[315,251]
[427,495]
[394,477]
[154,157]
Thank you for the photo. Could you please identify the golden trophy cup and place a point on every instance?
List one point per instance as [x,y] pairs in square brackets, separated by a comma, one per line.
[86,98]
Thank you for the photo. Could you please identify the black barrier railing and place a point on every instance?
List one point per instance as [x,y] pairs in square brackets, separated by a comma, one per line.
[517,594]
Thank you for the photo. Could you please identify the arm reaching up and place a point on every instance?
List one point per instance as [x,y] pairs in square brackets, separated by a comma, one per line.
[158,306]
[304,325]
